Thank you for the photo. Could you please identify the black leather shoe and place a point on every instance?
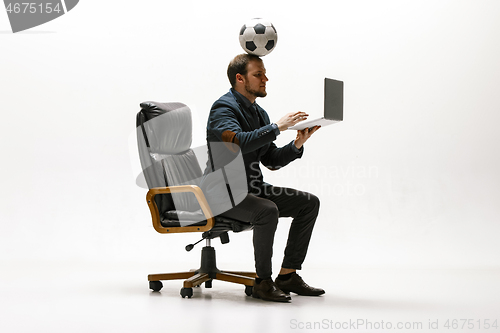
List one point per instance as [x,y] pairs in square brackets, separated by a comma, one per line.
[268,291]
[295,284]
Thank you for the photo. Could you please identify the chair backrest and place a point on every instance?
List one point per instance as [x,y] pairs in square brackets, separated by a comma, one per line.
[164,135]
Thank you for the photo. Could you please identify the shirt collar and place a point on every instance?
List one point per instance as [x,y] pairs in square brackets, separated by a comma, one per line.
[242,99]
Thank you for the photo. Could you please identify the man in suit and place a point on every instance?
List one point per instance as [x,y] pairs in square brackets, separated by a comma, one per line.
[236,118]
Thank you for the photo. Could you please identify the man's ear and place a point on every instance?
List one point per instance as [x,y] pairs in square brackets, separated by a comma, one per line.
[239,78]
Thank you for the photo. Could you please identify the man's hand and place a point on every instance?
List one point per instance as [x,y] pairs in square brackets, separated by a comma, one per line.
[291,119]
[303,135]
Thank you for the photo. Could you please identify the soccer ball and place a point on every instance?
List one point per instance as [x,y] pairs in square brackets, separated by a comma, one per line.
[258,36]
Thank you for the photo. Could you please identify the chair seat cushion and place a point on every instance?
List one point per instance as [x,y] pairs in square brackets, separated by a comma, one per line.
[176,218]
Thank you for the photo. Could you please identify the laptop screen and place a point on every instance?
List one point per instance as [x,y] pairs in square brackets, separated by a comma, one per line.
[334,99]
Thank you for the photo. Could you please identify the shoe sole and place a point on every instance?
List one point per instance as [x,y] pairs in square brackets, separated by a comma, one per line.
[283,300]
[288,293]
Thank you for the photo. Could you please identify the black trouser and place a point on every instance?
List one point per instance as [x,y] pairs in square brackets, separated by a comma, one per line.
[263,212]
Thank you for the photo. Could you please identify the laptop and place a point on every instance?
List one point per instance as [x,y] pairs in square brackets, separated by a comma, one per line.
[333,106]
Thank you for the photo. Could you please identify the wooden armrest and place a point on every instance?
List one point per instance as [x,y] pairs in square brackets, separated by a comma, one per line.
[200,197]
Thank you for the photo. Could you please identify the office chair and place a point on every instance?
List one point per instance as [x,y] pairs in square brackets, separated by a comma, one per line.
[175,199]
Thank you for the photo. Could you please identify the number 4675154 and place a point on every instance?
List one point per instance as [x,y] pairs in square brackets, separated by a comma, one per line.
[32,8]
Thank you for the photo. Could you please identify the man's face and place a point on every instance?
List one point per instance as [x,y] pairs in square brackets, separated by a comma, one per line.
[255,80]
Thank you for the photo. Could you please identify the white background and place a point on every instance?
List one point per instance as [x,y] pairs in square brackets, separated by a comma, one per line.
[409,183]
[409,179]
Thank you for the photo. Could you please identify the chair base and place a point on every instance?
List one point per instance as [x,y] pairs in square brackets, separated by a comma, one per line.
[206,273]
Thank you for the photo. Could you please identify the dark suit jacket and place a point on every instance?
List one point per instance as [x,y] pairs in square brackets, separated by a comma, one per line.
[230,121]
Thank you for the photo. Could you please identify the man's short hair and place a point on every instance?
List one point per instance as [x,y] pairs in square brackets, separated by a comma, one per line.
[239,65]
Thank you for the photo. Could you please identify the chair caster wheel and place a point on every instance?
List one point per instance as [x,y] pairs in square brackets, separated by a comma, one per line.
[208,284]
[155,285]
[248,290]
[187,292]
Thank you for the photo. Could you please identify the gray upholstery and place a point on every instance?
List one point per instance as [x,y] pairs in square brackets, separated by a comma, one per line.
[164,138]
[171,131]
[164,132]
[182,169]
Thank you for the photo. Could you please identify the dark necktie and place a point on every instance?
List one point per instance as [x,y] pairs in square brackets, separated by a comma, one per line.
[255,116]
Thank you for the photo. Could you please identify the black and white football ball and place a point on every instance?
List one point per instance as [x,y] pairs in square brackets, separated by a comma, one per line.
[258,36]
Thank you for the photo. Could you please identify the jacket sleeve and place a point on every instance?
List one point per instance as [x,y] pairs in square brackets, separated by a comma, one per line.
[276,158]
[225,123]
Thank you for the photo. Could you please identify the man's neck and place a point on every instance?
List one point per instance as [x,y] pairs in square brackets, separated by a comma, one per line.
[251,98]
